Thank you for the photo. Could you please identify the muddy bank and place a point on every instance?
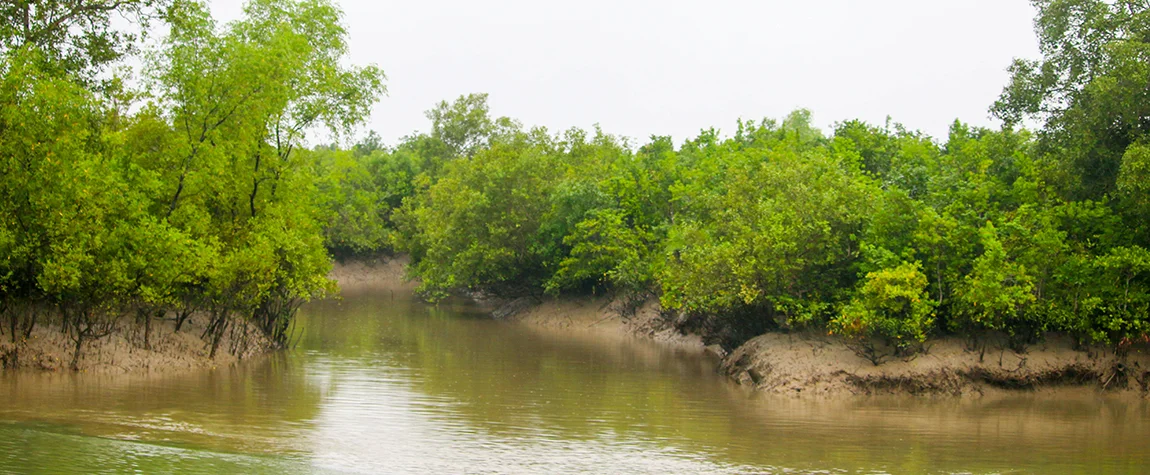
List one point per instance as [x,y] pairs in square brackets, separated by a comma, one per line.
[598,315]
[812,364]
[383,274]
[574,315]
[126,349]
[809,363]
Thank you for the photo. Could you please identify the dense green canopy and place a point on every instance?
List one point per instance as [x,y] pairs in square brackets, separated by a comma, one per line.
[195,193]
[189,195]
[875,232]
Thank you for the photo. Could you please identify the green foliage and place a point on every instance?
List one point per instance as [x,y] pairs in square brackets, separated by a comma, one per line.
[611,230]
[997,290]
[465,125]
[892,305]
[778,226]
[476,226]
[198,193]
[897,158]
[356,212]
[1090,88]
[775,231]
[1134,189]
[1123,309]
[201,199]
[77,37]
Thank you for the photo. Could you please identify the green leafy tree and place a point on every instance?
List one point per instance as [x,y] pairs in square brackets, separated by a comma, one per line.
[77,36]
[1133,190]
[222,140]
[770,226]
[1126,295]
[1090,89]
[892,305]
[465,126]
[355,212]
[996,291]
[475,227]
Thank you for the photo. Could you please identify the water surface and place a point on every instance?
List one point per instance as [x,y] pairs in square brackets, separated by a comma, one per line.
[385,384]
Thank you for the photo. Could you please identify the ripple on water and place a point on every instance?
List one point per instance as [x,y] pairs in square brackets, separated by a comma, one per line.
[389,386]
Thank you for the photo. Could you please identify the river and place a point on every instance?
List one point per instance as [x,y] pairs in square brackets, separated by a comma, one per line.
[385,384]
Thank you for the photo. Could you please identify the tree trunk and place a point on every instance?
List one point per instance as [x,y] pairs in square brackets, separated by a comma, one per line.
[181,317]
[147,331]
[218,336]
[30,324]
[76,354]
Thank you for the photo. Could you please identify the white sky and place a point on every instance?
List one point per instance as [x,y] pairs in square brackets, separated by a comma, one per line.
[674,67]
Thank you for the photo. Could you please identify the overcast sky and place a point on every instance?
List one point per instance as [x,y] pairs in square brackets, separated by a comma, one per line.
[639,68]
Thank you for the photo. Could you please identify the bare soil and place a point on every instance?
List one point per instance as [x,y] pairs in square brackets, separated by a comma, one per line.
[125,350]
[598,315]
[804,364]
[782,363]
[49,349]
[808,363]
[384,274]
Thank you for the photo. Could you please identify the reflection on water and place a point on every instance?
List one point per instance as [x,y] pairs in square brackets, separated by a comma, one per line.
[385,384]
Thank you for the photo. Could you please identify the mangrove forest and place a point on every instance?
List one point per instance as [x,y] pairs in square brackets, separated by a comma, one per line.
[190,184]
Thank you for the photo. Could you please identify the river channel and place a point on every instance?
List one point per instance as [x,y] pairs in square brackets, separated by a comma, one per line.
[381,383]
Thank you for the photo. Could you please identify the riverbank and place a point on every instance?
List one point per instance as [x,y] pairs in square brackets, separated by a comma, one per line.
[803,363]
[816,364]
[127,350]
[382,274]
[806,363]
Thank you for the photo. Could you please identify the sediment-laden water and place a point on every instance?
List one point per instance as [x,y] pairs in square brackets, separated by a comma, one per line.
[384,384]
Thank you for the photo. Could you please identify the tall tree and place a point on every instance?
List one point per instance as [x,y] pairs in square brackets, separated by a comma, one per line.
[1091,88]
[237,102]
[79,36]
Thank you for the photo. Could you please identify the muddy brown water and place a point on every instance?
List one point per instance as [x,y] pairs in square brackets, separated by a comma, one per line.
[385,384]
